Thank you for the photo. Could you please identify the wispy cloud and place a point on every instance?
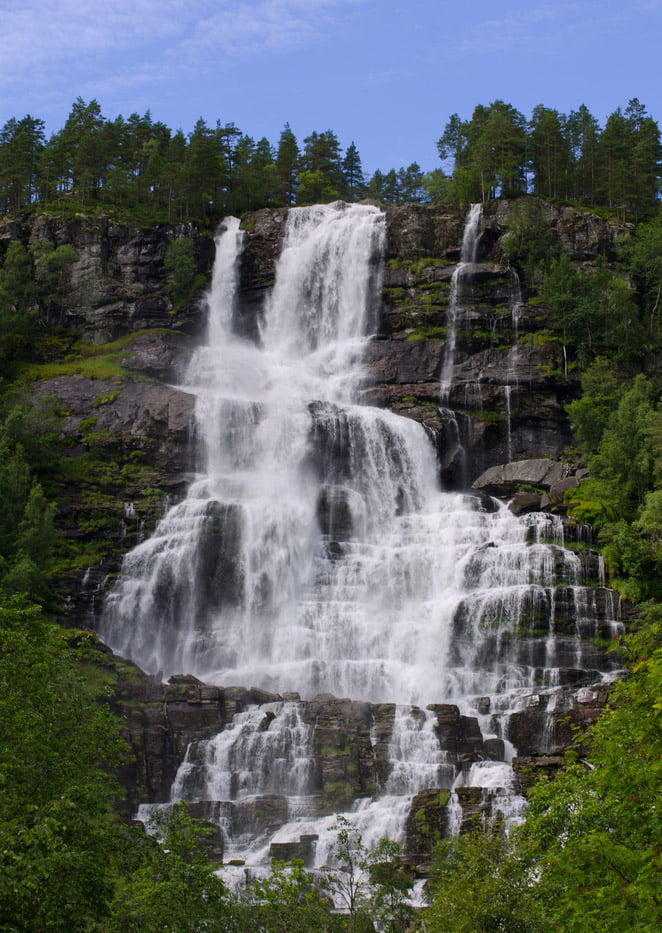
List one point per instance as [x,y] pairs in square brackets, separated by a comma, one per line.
[544,26]
[387,76]
[46,43]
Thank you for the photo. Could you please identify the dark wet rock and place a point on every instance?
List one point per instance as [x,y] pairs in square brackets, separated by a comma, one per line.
[342,748]
[427,824]
[303,850]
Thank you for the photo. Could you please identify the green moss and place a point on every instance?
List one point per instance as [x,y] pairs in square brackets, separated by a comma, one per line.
[97,439]
[101,485]
[103,361]
[419,402]
[199,283]
[426,262]
[421,822]
[537,338]
[489,417]
[105,398]
[338,789]
[87,424]
[101,671]
[97,368]
[427,333]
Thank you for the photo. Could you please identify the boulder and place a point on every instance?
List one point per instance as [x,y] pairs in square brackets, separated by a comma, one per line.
[506,479]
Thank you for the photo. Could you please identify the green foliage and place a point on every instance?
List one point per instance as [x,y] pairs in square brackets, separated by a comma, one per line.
[316,187]
[94,361]
[549,153]
[180,266]
[27,520]
[288,899]
[565,157]
[479,885]
[52,274]
[624,458]
[320,169]
[354,188]
[621,432]
[33,284]
[645,264]
[18,309]
[488,152]
[371,885]
[529,241]
[593,835]
[142,168]
[287,159]
[174,887]
[59,836]
[591,412]
[404,186]
[437,186]
[21,145]
[106,398]
[594,311]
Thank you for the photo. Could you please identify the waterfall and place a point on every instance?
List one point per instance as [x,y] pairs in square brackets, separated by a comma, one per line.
[461,276]
[315,553]
[515,301]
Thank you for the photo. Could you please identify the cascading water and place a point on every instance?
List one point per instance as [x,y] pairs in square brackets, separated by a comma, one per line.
[315,554]
[515,302]
[459,280]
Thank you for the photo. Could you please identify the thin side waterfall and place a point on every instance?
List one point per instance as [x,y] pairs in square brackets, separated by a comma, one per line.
[316,554]
[515,302]
[459,280]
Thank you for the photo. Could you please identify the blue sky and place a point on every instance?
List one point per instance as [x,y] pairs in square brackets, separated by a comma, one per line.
[385,74]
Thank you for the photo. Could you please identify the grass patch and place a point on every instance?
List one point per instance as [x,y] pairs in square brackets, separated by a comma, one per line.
[93,361]
[106,398]
[427,333]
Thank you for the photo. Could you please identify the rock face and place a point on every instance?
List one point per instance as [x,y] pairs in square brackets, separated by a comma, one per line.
[117,279]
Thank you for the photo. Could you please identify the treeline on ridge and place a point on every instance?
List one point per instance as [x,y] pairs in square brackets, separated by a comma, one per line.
[140,165]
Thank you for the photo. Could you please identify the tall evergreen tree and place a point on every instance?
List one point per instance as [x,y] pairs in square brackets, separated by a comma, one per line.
[410,183]
[375,186]
[287,161]
[645,155]
[489,152]
[614,167]
[321,176]
[549,153]
[21,145]
[583,133]
[206,171]
[354,184]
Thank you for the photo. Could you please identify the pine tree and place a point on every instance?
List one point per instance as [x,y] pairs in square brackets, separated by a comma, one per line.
[549,153]
[583,133]
[287,161]
[21,145]
[354,187]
